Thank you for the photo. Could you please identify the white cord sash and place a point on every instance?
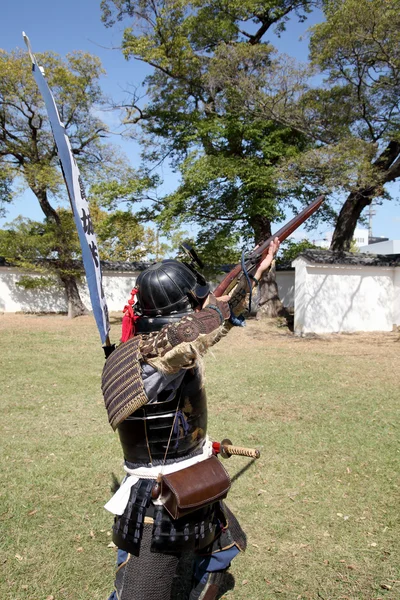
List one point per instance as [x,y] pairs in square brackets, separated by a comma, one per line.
[117,504]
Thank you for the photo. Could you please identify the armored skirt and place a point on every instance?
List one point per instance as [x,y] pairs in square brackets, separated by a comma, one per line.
[162,559]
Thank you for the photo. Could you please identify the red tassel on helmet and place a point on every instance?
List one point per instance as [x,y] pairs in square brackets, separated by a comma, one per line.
[129,319]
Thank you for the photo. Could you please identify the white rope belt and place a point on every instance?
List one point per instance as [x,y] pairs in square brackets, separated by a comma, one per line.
[117,504]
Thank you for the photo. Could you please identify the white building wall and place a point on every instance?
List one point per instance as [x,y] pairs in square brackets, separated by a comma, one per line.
[360,237]
[326,298]
[13,298]
[285,281]
[300,296]
[343,298]
[117,289]
[396,297]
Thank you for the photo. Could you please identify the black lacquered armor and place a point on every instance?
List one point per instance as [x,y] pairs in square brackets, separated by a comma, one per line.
[179,424]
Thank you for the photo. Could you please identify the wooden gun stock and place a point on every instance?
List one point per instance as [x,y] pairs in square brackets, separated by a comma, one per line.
[256,255]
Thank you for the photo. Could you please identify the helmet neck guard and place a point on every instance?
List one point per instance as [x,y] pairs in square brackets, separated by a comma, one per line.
[150,324]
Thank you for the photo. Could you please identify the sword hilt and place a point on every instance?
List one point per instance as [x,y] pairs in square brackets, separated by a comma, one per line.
[239,451]
[226,449]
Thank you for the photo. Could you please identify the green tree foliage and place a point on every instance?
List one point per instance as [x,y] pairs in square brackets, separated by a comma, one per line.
[358,47]
[227,161]
[28,156]
[5,190]
[27,149]
[227,158]
[121,237]
[34,245]
[352,116]
[291,250]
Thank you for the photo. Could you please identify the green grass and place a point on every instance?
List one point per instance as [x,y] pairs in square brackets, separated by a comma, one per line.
[320,507]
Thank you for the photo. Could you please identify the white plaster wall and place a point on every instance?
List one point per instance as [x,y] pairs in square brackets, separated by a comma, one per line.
[326,298]
[396,297]
[16,299]
[343,298]
[300,296]
[117,288]
[285,281]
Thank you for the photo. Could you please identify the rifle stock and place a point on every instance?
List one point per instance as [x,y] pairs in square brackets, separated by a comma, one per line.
[259,252]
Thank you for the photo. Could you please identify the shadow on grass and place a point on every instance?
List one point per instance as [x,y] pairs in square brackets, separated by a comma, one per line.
[242,470]
[26,313]
[227,585]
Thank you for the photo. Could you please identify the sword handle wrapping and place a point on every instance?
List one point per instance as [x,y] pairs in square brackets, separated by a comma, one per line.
[238,451]
[226,449]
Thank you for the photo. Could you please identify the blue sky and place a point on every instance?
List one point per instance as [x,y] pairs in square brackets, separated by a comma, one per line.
[62,27]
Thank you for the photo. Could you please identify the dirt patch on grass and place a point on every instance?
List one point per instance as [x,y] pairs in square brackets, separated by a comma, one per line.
[51,322]
[352,353]
[34,322]
[274,332]
[283,413]
[373,355]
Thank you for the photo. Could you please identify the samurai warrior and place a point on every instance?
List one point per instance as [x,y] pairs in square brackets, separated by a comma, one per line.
[153,390]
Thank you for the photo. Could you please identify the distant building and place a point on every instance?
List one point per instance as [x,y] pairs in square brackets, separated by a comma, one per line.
[385,247]
[360,238]
[376,240]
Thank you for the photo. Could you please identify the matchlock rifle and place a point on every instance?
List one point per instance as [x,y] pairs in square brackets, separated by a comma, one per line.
[254,258]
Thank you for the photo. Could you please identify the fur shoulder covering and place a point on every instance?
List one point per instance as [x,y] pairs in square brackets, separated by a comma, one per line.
[189,329]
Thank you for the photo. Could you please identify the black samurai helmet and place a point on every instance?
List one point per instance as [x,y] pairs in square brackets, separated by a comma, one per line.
[166,291]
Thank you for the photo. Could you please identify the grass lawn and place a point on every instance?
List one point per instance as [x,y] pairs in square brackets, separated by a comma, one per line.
[320,507]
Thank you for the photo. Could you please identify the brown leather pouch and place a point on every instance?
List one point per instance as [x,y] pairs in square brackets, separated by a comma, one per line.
[192,488]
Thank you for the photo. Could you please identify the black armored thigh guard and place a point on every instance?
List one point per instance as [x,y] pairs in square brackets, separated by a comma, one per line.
[152,576]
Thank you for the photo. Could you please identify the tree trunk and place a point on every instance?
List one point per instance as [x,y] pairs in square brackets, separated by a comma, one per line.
[269,303]
[348,217]
[76,308]
[388,169]
[262,228]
